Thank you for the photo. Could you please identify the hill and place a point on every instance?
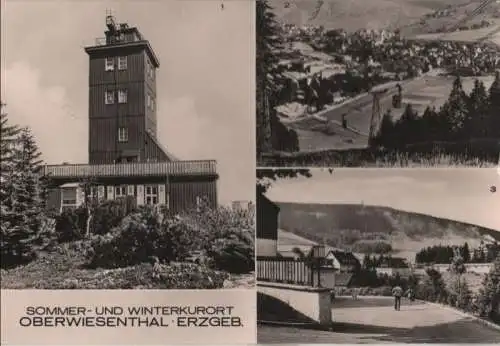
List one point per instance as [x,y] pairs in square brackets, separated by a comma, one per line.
[356,227]
[421,16]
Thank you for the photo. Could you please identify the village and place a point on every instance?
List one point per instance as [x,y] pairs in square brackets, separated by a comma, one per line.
[328,67]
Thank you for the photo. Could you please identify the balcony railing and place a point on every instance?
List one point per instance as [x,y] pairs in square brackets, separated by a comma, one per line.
[140,169]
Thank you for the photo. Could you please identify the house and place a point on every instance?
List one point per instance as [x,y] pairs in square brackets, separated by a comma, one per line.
[125,156]
[392,266]
[342,261]
[267,214]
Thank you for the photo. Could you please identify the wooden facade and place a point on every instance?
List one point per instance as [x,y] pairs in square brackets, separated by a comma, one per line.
[125,156]
[135,113]
[267,218]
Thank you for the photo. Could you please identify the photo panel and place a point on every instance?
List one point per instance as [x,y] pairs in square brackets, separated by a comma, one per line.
[377,255]
[378,83]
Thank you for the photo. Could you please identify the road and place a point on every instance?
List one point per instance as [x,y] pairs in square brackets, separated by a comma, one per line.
[374,320]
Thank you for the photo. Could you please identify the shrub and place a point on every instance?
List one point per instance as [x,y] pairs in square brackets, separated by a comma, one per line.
[70,225]
[109,214]
[227,236]
[488,300]
[140,237]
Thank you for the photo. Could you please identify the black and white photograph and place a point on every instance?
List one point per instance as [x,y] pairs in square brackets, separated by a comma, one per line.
[378,83]
[127,145]
[378,255]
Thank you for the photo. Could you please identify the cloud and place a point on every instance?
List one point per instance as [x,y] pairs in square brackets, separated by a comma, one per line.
[61,133]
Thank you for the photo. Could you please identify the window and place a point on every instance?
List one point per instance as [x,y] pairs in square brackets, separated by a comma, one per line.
[109,97]
[122,134]
[122,62]
[152,73]
[109,64]
[151,195]
[68,198]
[122,96]
[152,104]
[120,191]
[149,101]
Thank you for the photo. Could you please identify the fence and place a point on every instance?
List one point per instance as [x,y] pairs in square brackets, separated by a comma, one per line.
[286,270]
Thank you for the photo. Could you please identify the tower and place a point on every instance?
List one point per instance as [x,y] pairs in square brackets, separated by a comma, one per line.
[122,98]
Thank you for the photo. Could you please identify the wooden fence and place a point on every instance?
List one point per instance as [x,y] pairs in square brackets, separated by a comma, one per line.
[286,270]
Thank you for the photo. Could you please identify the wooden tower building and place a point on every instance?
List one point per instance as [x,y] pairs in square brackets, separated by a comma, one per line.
[125,156]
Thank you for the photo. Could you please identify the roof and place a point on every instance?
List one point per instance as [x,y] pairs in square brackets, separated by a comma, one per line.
[144,43]
[132,169]
[344,257]
[394,262]
[263,200]
[169,155]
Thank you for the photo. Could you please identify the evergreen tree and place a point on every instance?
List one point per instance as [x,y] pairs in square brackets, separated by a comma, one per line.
[465,252]
[494,108]
[476,123]
[385,136]
[455,110]
[406,128]
[22,206]
[267,87]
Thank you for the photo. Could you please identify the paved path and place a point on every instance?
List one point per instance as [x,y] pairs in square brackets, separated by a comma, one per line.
[374,320]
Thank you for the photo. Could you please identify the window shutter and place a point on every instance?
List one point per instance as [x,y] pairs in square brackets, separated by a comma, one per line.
[80,196]
[111,192]
[140,194]
[161,194]
[130,190]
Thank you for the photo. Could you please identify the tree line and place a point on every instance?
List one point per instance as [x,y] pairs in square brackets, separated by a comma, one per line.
[441,254]
[463,117]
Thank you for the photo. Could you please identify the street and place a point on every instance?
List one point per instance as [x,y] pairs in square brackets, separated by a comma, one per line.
[374,320]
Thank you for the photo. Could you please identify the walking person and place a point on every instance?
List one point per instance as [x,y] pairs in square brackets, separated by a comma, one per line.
[397,292]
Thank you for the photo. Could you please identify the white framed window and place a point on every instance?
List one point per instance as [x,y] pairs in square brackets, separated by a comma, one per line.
[109,64]
[122,62]
[148,97]
[120,191]
[109,97]
[122,96]
[151,194]
[122,134]
[68,198]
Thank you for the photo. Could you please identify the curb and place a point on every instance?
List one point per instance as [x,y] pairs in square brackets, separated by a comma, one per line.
[464,314]
[316,326]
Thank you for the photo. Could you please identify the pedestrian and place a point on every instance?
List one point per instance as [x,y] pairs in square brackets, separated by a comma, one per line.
[355,293]
[397,292]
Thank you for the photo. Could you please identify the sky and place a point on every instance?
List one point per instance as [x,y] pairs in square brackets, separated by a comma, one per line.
[454,193]
[205,83]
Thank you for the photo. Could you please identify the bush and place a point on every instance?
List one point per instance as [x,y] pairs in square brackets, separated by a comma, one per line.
[70,225]
[227,236]
[140,237]
[488,300]
[109,214]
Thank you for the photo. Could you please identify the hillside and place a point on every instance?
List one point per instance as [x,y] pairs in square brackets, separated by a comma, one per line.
[352,15]
[351,226]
